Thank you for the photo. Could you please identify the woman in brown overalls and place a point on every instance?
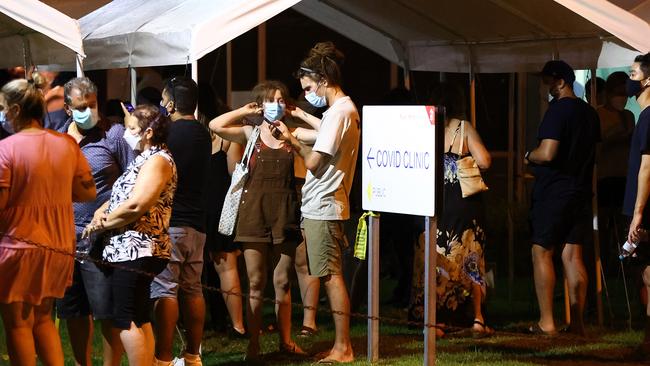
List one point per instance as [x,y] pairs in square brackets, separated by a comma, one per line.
[268,222]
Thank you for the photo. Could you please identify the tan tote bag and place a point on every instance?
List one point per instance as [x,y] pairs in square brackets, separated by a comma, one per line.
[469,175]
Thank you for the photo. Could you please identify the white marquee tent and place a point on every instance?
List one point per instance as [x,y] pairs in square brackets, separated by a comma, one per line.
[491,35]
[139,33]
[34,33]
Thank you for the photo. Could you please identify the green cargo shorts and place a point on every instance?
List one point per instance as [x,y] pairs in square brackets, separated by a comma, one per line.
[325,241]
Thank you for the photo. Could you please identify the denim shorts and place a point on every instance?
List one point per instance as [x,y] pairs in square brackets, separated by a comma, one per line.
[183,272]
[90,293]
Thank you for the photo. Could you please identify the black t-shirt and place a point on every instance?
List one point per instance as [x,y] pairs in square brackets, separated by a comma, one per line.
[639,146]
[576,126]
[191,147]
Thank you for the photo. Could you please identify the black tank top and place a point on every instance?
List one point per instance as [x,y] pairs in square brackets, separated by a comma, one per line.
[218,182]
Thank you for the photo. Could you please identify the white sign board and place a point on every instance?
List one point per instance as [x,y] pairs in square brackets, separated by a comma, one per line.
[398,173]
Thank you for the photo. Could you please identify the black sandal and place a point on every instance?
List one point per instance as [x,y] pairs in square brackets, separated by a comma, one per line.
[486,332]
[307,332]
[535,329]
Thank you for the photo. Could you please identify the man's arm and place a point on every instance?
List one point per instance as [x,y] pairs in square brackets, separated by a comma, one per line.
[315,161]
[545,153]
[642,194]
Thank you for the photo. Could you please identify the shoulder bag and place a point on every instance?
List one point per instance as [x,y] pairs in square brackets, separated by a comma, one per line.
[469,175]
[230,209]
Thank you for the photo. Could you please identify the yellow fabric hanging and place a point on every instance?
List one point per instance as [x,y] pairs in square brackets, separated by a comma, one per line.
[361,241]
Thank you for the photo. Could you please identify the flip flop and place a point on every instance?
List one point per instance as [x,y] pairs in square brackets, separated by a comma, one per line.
[326,361]
[535,329]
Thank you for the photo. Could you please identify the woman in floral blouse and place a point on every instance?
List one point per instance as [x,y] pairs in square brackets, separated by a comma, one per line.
[137,220]
[460,236]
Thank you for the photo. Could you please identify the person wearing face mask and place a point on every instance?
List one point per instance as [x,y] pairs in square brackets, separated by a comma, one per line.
[191,146]
[108,155]
[136,221]
[637,189]
[268,217]
[560,213]
[41,173]
[331,164]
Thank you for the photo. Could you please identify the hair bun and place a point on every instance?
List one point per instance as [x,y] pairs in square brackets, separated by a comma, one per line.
[327,50]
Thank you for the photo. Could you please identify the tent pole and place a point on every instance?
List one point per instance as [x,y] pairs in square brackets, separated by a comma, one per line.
[261,52]
[521,135]
[134,82]
[79,65]
[472,97]
[511,182]
[394,70]
[594,204]
[195,77]
[229,74]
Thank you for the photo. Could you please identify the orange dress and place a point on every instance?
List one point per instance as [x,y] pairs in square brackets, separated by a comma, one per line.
[37,168]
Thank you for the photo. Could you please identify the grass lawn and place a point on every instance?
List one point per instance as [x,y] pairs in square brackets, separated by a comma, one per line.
[400,345]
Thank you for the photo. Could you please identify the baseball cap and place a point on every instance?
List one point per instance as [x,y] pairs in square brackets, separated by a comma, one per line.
[559,70]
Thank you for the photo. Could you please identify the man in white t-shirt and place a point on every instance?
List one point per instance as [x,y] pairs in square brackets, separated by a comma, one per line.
[325,196]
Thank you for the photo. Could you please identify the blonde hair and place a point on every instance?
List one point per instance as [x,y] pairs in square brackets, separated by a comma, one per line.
[28,97]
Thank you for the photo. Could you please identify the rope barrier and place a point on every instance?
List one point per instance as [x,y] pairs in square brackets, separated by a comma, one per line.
[116,265]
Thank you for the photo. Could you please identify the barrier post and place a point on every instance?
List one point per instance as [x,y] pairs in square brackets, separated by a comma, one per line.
[430,254]
[373,289]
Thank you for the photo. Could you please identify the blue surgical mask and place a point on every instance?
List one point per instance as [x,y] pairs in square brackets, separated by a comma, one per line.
[85,119]
[273,111]
[316,100]
[6,124]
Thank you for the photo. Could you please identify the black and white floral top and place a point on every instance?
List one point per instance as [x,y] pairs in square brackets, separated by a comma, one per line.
[147,236]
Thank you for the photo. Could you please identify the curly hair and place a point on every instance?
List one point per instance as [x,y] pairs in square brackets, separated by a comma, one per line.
[324,62]
[265,91]
[150,116]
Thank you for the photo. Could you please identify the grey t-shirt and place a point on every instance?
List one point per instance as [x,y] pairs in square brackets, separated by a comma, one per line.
[327,197]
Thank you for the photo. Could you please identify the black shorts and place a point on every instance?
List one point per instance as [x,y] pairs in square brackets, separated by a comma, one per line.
[90,293]
[216,242]
[131,291]
[560,221]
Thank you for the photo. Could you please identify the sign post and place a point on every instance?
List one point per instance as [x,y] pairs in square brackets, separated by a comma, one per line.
[401,162]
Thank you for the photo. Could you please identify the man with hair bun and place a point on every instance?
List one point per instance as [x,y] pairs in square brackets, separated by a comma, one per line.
[325,194]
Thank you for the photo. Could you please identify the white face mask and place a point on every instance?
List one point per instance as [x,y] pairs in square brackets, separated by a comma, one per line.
[133,140]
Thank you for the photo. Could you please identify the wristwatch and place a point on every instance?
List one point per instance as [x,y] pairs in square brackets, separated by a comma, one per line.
[526,156]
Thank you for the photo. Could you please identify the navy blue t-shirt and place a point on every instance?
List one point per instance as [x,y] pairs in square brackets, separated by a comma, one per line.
[575,124]
[640,145]
[191,148]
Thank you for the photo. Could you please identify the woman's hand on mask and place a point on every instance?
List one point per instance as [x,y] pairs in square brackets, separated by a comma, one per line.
[250,109]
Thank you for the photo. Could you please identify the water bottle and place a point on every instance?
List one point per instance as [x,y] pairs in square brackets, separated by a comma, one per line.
[628,250]
[83,248]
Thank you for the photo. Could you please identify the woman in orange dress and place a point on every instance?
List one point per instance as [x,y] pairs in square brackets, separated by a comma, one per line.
[41,173]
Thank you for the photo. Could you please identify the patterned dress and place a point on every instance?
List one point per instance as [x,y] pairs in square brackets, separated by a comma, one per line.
[460,242]
[147,236]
